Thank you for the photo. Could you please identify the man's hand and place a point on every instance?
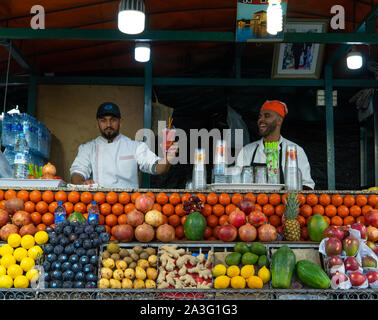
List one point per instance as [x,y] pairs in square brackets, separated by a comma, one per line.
[164,164]
[86,182]
[172,152]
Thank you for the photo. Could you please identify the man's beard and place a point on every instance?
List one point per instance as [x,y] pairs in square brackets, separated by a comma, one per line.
[110,135]
[268,129]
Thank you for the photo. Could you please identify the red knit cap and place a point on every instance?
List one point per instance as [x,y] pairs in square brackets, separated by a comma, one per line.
[276,106]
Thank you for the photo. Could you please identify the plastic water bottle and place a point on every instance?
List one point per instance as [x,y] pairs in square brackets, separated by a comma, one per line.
[21,151]
[60,213]
[93,212]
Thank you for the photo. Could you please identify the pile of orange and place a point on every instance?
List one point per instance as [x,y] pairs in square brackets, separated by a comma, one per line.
[337,209]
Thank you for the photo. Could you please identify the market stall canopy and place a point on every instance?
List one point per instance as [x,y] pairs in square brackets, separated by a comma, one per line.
[169,58]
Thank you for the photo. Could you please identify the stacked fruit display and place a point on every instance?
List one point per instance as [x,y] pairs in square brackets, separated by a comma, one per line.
[247,266]
[18,260]
[71,254]
[128,268]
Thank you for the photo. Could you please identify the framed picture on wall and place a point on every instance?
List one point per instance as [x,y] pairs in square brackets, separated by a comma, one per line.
[299,60]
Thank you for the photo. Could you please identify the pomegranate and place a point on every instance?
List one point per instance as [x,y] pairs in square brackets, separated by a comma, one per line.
[144,233]
[165,233]
[372,276]
[13,205]
[267,232]
[333,246]
[247,233]
[7,230]
[351,264]
[371,218]
[227,233]
[144,203]
[333,232]
[154,218]
[372,233]
[21,218]
[134,218]
[28,229]
[257,218]
[237,218]
[335,261]
[345,229]
[246,206]
[360,227]
[123,233]
[338,278]
[357,279]
[4,217]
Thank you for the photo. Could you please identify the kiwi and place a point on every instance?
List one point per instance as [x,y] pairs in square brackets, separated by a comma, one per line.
[151,251]
[113,247]
[134,256]
[115,256]
[128,260]
[106,254]
[132,265]
[138,249]
[144,255]
[124,253]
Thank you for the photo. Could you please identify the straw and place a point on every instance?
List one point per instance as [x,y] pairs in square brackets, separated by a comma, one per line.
[170,120]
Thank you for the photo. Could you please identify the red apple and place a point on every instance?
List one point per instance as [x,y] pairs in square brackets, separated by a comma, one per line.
[257,218]
[335,261]
[372,276]
[371,218]
[227,233]
[333,247]
[351,245]
[357,279]
[360,227]
[237,218]
[333,232]
[246,206]
[351,264]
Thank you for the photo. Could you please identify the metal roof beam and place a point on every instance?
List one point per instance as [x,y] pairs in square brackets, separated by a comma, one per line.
[18,55]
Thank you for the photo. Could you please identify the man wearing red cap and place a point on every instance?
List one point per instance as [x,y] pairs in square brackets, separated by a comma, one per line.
[269,124]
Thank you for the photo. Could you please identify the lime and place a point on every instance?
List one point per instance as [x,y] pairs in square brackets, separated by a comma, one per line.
[27,263]
[21,282]
[2,270]
[14,271]
[41,237]
[7,260]
[32,275]
[6,249]
[20,253]
[6,281]
[35,252]
[27,241]
[14,240]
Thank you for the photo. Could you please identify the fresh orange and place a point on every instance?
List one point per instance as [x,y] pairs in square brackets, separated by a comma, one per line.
[324,199]
[180,231]
[112,230]
[342,211]
[41,227]
[366,209]
[48,196]
[29,206]
[101,219]
[80,207]
[151,195]
[174,198]
[185,197]
[328,220]
[348,220]
[52,206]
[99,197]
[262,199]
[229,208]
[23,195]
[2,204]
[48,219]
[301,199]
[42,207]
[318,209]
[349,200]
[274,220]
[10,194]
[208,232]
[202,197]
[74,197]
[183,219]
[360,219]
[134,196]
[165,219]
[86,197]
[162,198]
[35,196]
[156,206]
[61,196]
[223,219]
[111,220]
[168,209]
[218,209]
[207,210]
[258,207]
[224,199]
[123,198]
[250,196]
[212,198]
[216,232]
[36,218]
[372,200]
[174,220]
[111,197]
[306,210]
[122,219]
[301,220]
[212,221]
[355,211]
[179,210]
[274,199]
[117,209]
[312,199]
[69,207]
[236,197]
[105,209]
[330,210]
[337,200]
[1,195]
[128,208]
[268,210]
[284,198]
[107,228]
[304,233]
[361,200]
[279,210]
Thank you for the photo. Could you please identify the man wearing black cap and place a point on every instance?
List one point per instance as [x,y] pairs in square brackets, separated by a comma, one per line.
[112,159]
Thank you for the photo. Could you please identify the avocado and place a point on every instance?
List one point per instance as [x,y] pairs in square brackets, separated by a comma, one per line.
[233,259]
[263,261]
[249,258]
[257,248]
[241,247]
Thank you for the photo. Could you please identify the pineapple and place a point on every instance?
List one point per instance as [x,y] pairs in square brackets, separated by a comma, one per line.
[292,228]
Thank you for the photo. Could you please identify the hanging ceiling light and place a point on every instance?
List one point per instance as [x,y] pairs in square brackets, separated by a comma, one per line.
[274,17]
[142,52]
[354,59]
[131,16]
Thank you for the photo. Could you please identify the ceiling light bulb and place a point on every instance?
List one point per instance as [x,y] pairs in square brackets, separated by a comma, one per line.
[131,16]
[354,59]
[142,52]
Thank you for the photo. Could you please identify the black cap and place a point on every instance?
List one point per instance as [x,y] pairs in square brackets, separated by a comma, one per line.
[108,109]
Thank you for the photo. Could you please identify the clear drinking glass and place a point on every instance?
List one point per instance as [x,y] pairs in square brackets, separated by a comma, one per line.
[235,175]
[247,175]
[261,174]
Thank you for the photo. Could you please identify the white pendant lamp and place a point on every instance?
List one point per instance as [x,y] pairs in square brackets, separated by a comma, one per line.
[354,59]
[142,52]
[274,17]
[131,16]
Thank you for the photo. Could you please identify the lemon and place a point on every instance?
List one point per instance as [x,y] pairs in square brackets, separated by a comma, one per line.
[41,237]
[20,253]
[6,281]
[233,271]
[254,282]
[2,270]
[247,271]
[14,271]
[264,274]
[14,240]
[6,249]
[21,282]
[7,260]
[238,282]
[35,252]
[221,282]
[219,270]
[27,241]
[32,275]
[27,263]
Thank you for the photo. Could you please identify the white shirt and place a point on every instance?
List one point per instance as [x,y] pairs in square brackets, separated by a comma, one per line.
[115,164]
[245,157]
